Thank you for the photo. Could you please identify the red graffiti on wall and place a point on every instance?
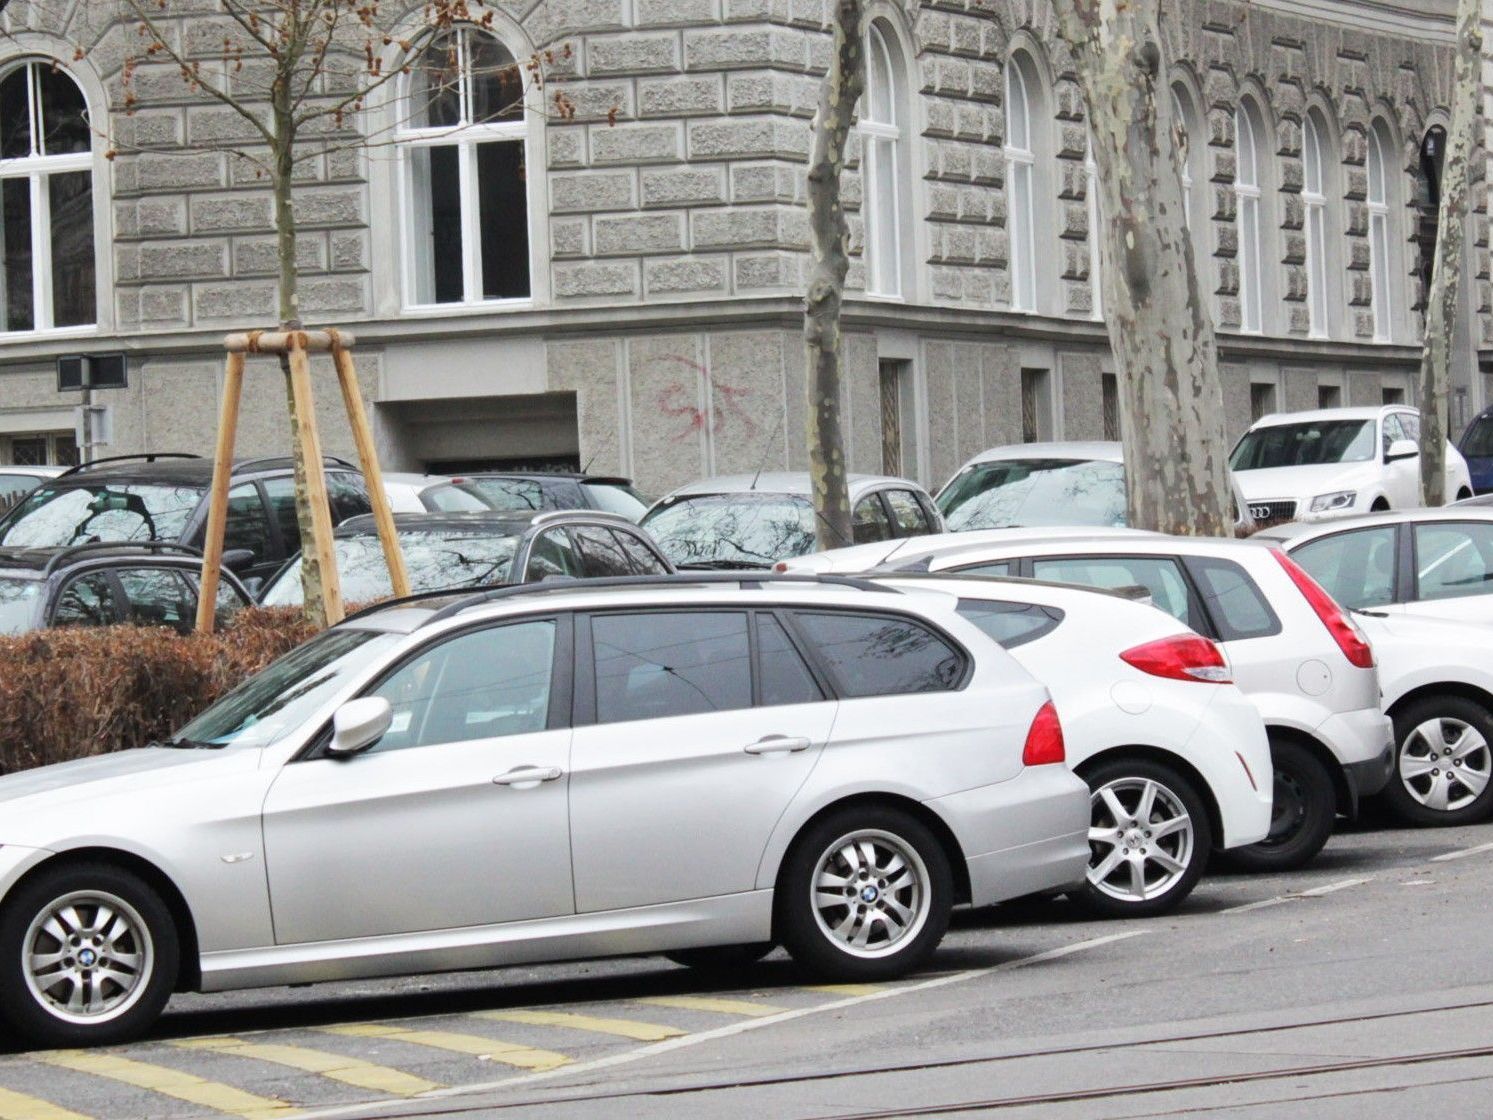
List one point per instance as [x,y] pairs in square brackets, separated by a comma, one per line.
[679,400]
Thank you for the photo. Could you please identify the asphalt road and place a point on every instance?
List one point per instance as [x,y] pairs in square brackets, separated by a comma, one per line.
[1361,987]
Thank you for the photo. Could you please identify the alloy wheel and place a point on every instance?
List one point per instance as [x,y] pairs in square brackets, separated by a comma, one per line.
[1141,839]
[870,893]
[1445,764]
[87,957]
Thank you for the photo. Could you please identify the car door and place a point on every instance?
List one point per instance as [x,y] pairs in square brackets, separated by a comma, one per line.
[684,758]
[1401,477]
[1453,570]
[157,596]
[457,817]
[88,599]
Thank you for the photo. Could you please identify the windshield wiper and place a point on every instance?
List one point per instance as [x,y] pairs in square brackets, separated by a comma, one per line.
[1369,613]
[723,566]
[182,744]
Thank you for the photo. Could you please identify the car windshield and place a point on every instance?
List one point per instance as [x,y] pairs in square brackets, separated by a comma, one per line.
[733,530]
[18,603]
[57,516]
[1010,492]
[617,497]
[278,701]
[451,498]
[1477,443]
[1306,444]
[433,558]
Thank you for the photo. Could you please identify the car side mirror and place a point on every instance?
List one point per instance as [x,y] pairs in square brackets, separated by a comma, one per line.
[1401,449]
[358,724]
[236,559]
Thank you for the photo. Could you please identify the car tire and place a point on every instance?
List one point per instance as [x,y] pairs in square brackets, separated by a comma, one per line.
[1302,815]
[111,951]
[1458,728]
[1138,873]
[721,958]
[888,923]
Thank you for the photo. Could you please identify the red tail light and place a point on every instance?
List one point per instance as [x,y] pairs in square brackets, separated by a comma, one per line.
[780,566]
[1185,657]
[1044,742]
[1339,624]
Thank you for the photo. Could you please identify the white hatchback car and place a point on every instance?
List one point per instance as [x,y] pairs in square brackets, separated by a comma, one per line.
[546,772]
[1293,652]
[1333,462]
[1175,756]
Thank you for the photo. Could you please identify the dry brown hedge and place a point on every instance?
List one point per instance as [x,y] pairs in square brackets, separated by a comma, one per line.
[70,693]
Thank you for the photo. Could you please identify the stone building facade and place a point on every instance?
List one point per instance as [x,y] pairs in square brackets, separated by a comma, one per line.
[621,288]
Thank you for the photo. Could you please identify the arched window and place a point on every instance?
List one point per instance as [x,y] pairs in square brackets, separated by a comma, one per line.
[46,200]
[1381,198]
[461,134]
[1190,156]
[883,167]
[1027,157]
[1318,190]
[1251,157]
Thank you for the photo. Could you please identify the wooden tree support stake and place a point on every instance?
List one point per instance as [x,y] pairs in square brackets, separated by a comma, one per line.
[297,346]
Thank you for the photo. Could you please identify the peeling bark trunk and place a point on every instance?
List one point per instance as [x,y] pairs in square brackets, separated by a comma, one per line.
[1156,311]
[312,583]
[1446,274]
[830,235]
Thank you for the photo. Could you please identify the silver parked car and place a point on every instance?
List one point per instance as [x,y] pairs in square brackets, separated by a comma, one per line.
[526,774]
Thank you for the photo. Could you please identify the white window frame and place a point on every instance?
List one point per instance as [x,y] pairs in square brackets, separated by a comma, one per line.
[37,169]
[465,138]
[881,140]
[1380,254]
[1186,161]
[1021,207]
[1251,250]
[1314,218]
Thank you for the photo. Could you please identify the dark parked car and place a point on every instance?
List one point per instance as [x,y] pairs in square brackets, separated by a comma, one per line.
[452,550]
[541,491]
[1476,446]
[100,584]
[164,498]
[18,481]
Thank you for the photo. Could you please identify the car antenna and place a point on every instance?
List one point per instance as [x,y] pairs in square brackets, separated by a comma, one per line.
[766,451]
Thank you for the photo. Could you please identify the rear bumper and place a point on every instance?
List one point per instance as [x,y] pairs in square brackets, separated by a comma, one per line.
[1367,778]
[1024,836]
[1359,737]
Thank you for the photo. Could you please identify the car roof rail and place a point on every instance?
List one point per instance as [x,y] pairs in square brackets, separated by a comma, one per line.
[1131,591]
[93,548]
[261,462]
[144,457]
[679,579]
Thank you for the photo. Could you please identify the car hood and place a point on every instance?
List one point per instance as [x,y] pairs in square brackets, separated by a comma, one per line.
[1301,482]
[149,769]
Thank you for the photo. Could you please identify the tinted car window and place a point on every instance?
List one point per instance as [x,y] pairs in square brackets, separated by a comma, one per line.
[1411,424]
[1478,439]
[670,664]
[553,554]
[1159,575]
[1357,569]
[869,521]
[1392,430]
[601,555]
[785,679]
[1453,559]
[881,655]
[347,495]
[248,525]
[158,597]
[1238,608]
[994,568]
[645,561]
[478,685]
[909,514]
[87,600]
[280,493]
[1011,624]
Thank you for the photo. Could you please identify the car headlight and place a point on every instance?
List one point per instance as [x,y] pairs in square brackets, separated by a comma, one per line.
[1338,499]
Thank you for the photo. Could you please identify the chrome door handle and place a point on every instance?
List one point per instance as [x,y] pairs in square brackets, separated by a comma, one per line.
[527,777]
[777,744]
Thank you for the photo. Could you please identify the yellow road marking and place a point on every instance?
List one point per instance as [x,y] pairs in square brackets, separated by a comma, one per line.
[18,1106]
[526,1057]
[627,1028]
[172,1083]
[349,1071]
[846,989]
[719,1006]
